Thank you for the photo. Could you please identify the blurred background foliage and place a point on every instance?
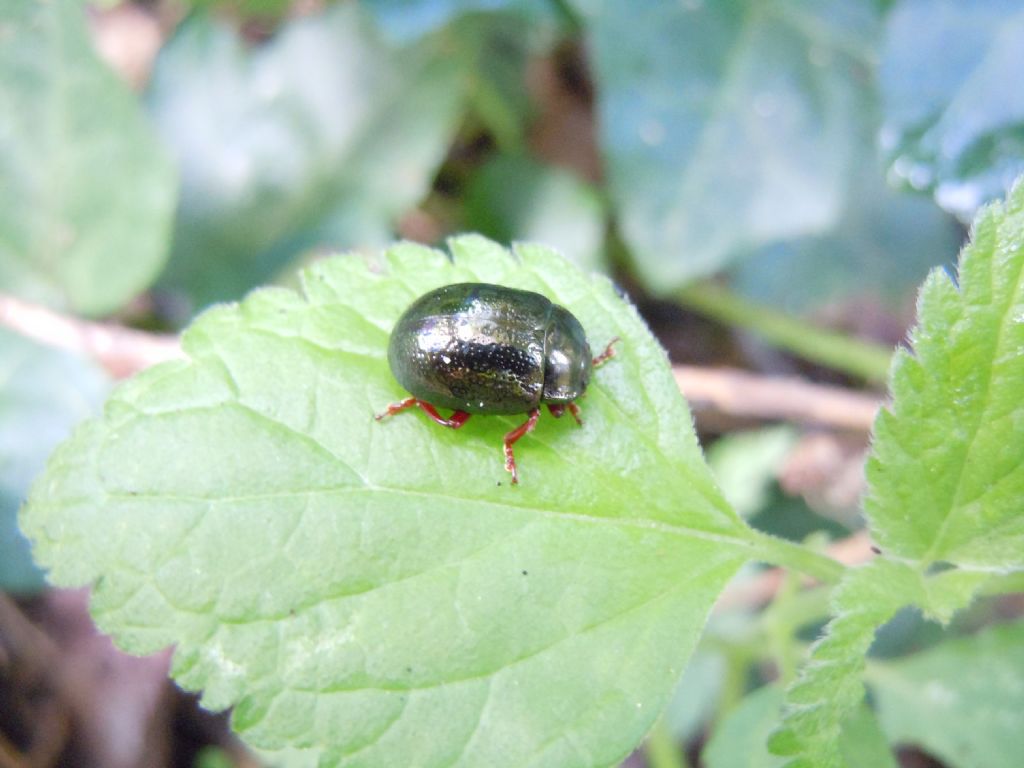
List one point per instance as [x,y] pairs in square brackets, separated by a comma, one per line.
[777,164]
[805,153]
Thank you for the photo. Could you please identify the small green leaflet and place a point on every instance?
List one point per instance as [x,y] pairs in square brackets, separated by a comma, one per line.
[376,593]
[946,475]
[947,470]
[830,686]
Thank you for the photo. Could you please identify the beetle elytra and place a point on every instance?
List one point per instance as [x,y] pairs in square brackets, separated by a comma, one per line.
[488,349]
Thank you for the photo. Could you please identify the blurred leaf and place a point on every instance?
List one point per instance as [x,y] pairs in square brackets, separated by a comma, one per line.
[495,50]
[405,20]
[739,741]
[863,743]
[907,632]
[86,193]
[320,138]
[43,393]
[746,465]
[515,198]
[696,696]
[493,39]
[884,244]
[960,701]
[266,11]
[726,125]
[791,517]
[954,121]
[214,757]
[377,593]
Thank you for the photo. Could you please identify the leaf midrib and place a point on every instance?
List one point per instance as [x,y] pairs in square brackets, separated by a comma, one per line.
[627,522]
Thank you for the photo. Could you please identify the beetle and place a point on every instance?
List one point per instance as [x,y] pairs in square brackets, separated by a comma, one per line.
[488,349]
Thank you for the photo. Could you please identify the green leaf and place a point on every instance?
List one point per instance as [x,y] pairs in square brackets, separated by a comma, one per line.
[86,193]
[952,127]
[727,125]
[377,593]
[322,137]
[739,740]
[43,393]
[961,701]
[829,687]
[515,198]
[946,473]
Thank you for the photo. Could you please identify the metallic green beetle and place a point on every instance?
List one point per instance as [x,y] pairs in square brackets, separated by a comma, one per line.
[483,348]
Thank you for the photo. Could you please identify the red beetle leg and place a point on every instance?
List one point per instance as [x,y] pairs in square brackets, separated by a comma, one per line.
[457,419]
[398,407]
[515,434]
[575,411]
[607,355]
[558,410]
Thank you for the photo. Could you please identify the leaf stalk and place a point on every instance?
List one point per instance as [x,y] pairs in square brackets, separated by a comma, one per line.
[827,348]
[798,557]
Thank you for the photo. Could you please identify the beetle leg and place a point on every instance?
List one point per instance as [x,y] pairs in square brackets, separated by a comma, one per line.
[394,408]
[456,420]
[515,434]
[575,411]
[558,410]
[607,355]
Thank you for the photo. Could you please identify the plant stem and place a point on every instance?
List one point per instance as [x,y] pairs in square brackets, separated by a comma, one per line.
[661,749]
[798,557]
[833,350]
[780,632]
